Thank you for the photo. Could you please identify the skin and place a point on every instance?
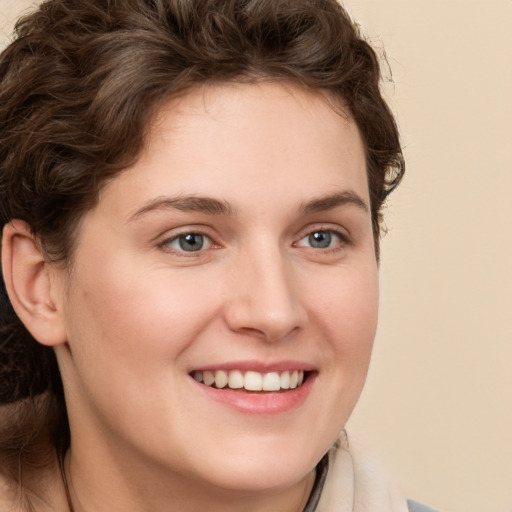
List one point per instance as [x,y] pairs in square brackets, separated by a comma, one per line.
[135,314]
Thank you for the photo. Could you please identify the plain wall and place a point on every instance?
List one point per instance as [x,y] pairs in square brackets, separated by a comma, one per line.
[437,408]
[438,402]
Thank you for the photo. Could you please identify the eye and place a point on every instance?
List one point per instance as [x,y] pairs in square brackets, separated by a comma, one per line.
[321,239]
[188,242]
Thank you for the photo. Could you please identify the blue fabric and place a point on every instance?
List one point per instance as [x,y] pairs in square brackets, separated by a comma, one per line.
[414,506]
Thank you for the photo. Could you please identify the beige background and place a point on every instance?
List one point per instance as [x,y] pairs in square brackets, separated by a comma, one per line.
[438,402]
[437,408]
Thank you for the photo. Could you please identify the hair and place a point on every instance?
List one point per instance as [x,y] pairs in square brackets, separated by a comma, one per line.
[79,87]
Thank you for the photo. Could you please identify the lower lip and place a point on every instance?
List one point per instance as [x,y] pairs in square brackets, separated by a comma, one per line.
[261,402]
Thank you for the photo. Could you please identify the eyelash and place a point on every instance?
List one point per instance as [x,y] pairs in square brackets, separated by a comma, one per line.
[166,244]
[342,241]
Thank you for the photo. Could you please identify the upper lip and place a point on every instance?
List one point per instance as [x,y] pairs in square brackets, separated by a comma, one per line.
[256,366]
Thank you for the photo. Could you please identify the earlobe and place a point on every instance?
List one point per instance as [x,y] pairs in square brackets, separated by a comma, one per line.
[30,286]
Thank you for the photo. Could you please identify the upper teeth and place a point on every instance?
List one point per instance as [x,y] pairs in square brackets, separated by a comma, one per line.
[251,381]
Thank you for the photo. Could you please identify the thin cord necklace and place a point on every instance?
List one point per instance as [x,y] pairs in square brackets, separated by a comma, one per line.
[65,482]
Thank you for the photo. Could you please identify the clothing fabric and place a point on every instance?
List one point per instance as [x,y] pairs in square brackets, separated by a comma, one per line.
[348,480]
[414,506]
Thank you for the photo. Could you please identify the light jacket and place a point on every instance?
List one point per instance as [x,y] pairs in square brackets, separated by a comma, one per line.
[348,480]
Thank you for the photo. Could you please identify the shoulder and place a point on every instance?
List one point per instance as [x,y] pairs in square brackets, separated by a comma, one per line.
[414,506]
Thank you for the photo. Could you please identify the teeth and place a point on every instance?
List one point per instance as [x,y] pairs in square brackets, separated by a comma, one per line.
[251,381]
[208,378]
[236,379]
[294,379]
[285,380]
[271,382]
[221,379]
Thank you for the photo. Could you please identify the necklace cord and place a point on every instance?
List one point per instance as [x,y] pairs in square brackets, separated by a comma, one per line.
[65,482]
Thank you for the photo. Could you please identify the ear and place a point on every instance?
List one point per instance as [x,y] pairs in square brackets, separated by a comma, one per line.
[33,290]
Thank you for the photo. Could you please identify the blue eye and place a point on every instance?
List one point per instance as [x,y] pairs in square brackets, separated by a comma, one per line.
[189,242]
[321,239]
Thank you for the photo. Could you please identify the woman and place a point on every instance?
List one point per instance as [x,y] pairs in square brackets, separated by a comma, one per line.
[191,198]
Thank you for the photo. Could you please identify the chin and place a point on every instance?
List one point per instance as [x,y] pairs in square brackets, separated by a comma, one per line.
[265,464]
[252,477]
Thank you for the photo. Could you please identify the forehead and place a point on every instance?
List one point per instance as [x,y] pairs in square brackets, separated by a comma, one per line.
[236,140]
[247,108]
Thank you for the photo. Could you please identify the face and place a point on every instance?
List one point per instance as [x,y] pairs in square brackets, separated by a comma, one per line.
[239,250]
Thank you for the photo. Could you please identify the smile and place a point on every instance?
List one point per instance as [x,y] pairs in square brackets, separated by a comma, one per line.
[250,380]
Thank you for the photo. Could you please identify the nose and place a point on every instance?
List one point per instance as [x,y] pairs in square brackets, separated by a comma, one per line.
[264,300]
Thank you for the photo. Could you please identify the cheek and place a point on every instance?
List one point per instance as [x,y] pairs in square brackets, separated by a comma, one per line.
[360,314]
[344,307]
[347,313]
[137,321]
[129,336]
[347,305]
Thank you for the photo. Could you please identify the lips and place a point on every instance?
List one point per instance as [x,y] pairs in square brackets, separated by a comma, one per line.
[251,380]
[256,387]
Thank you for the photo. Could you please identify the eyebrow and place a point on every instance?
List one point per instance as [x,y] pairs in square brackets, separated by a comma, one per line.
[186,203]
[212,206]
[331,201]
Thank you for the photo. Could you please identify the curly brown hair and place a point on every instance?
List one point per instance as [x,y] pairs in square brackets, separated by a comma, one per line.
[79,87]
